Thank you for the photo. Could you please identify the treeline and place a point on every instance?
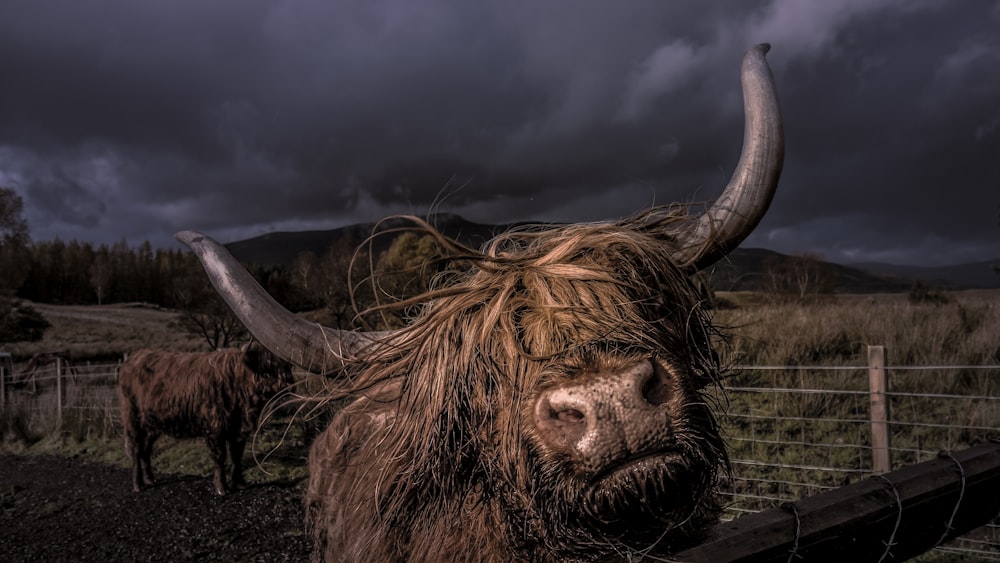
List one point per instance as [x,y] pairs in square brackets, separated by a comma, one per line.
[79,273]
[76,273]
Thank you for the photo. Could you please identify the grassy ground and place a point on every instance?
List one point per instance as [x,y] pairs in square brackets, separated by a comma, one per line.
[278,451]
[836,330]
[100,333]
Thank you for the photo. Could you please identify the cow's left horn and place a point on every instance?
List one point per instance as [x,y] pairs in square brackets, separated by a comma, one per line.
[308,345]
[745,200]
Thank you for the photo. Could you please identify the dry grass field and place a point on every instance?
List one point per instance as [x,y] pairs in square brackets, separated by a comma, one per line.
[106,332]
[836,329]
[831,329]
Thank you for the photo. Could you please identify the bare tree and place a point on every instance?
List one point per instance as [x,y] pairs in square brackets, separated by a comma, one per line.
[99,274]
[405,270]
[809,274]
[803,276]
[205,314]
[333,282]
[14,241]
[305,274]
[996,267]
[18,321]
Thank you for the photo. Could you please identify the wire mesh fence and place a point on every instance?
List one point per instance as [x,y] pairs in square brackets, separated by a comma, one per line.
[795,431]
[43,398]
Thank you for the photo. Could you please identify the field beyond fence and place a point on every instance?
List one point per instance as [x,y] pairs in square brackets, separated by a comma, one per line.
[793,431]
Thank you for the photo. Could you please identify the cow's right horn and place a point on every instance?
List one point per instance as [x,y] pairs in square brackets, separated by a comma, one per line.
[747,196]
[308,345]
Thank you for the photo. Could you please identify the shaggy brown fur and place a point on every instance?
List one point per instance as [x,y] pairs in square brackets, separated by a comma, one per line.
[437,459]
[218,395]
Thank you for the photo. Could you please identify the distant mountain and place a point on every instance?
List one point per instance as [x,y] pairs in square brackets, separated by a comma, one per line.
[743,269]
[750,269]
[973,275]
[281,248]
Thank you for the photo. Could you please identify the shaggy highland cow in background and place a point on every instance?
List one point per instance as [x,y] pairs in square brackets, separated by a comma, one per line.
[218,395]
[549,405]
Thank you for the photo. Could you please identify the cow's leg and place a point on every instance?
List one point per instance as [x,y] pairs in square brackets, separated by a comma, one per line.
[217,446]
[145,458]
[236,446]
[134,439]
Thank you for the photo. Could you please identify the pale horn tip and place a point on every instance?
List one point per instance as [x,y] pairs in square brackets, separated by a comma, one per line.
[189,237]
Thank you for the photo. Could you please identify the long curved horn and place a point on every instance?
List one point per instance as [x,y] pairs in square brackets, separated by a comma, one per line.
[308,345]
[747,196]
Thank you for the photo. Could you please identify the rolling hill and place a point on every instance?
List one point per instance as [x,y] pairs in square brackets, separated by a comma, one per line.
[744,268]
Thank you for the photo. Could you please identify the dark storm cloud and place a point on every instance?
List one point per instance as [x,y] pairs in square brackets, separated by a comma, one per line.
[137,119]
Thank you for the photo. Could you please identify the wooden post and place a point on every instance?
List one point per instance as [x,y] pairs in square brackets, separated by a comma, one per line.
[3,389]
[59,393]
[878,385]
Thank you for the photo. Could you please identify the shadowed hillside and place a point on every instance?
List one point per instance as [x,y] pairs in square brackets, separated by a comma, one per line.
[745,269]
[280,248]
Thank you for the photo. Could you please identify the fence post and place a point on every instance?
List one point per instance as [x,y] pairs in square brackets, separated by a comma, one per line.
[878,385]
[59,392]
[3,389]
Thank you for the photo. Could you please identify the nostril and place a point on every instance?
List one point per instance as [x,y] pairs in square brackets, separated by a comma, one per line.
[561,419]
[656,389]
[571,416]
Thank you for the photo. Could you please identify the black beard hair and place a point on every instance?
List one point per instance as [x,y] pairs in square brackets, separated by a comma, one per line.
[659,512]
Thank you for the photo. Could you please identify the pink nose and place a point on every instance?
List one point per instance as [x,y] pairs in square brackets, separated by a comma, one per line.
[610,417]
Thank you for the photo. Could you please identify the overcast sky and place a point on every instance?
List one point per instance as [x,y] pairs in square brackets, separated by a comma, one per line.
[136,119]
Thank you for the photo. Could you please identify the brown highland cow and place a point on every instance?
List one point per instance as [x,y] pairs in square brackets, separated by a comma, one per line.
[218,395]
[549,405]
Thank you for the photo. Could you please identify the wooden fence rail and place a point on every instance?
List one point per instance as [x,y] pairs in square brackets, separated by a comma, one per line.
[888,517]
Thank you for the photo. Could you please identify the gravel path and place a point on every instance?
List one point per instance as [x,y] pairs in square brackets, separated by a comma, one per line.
[61,509]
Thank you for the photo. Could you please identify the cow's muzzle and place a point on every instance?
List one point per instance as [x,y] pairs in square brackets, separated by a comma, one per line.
[610,419]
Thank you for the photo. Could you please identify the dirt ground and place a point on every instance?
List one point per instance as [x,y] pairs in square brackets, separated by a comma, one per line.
[63,509]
